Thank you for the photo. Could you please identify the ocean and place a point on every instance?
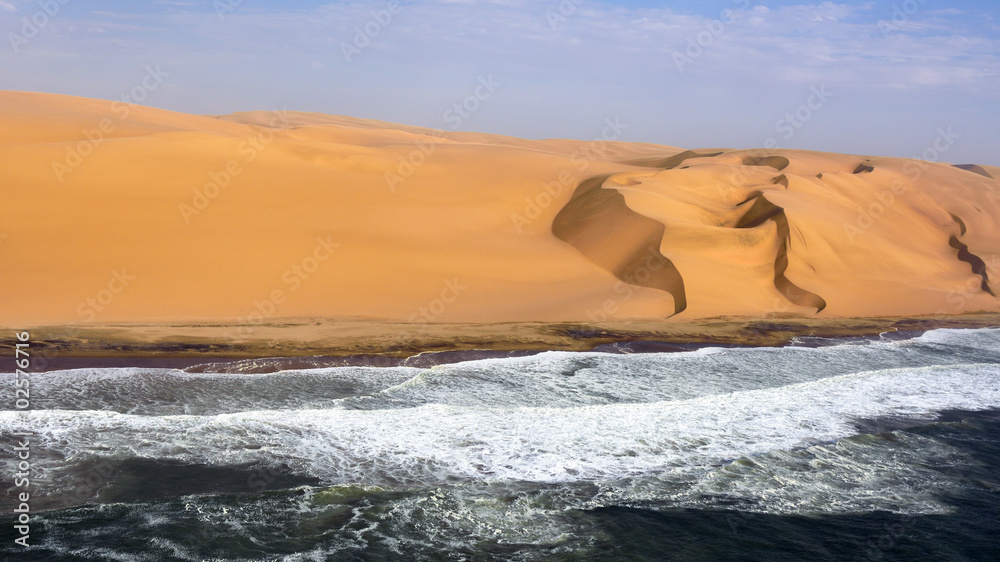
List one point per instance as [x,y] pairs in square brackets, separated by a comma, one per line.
[883,448]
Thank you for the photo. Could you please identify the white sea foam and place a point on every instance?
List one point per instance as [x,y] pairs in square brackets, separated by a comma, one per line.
[435,443]
[509,448]
[553,379]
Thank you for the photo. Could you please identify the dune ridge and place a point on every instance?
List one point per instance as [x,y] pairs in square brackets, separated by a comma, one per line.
[671,161]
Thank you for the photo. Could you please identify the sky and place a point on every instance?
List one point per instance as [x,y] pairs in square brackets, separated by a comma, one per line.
[880,78]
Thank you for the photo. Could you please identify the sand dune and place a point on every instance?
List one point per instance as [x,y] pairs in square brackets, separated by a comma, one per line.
[127,213]
[599,224]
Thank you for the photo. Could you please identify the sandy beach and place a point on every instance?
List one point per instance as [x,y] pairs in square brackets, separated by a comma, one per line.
[377,343]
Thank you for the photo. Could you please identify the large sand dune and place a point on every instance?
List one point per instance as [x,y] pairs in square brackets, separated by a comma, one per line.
[126,213]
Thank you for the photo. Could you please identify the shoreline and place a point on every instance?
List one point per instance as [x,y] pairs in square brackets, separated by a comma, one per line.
[368,342]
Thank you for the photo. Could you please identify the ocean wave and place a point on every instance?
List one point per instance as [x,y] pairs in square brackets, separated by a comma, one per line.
[551,379]
[433,444]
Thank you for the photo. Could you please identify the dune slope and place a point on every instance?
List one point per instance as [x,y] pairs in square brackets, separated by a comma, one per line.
[128,213]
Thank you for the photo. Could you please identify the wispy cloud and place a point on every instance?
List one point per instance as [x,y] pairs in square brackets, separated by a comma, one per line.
[599,60]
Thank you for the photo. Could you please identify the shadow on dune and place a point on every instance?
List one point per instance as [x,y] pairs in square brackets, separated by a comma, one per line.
[777,162]
[599,224]
[670,162]
[761,212]
[864,168]
[978,265]
[975,169]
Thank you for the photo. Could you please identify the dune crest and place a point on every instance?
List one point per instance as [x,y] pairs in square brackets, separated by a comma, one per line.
[671,161]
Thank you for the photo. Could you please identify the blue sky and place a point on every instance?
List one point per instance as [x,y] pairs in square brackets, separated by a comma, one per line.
[562,67]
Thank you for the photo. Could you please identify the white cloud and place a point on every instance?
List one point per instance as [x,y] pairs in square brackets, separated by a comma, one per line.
[780,43]
[602,58]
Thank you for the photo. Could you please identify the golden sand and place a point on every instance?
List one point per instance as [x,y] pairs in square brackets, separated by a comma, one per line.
[117,213]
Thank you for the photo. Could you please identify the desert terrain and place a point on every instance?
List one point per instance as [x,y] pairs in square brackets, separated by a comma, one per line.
[120,214]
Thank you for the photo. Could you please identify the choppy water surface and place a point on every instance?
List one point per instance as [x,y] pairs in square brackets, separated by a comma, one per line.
[878,449]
